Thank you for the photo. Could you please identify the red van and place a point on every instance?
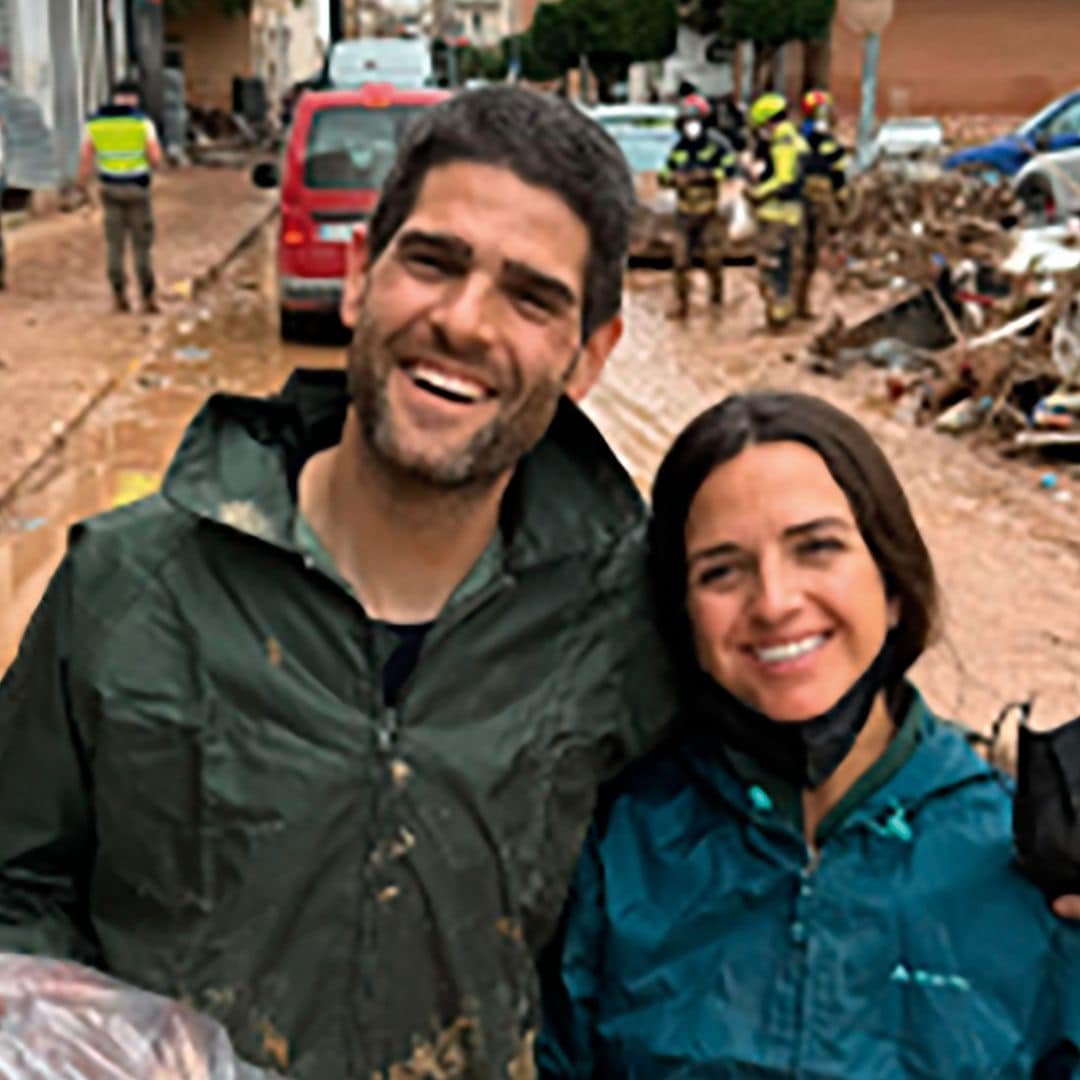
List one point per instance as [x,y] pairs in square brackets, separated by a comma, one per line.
[340,149]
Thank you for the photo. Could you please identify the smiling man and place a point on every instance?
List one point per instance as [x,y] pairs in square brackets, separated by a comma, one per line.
[310,739]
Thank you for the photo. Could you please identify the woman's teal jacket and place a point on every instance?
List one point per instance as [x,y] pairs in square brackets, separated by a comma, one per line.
[704,939]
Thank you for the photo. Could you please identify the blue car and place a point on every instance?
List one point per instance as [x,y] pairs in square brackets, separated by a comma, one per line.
[1057,127]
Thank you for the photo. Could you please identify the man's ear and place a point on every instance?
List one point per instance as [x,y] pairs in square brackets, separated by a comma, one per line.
[357,261]
[594,354]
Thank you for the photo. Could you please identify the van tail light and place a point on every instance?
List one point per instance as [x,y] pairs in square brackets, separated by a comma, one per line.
[295,229]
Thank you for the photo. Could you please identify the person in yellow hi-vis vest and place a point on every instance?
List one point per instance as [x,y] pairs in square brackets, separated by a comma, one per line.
[777,200]
[121,146]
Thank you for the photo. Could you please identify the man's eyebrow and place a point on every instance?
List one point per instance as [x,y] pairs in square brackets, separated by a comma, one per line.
[452,245]
[537,279]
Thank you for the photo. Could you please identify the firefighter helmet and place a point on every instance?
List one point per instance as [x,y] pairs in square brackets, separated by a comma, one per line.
[767,108]
[815,101]
[694,107]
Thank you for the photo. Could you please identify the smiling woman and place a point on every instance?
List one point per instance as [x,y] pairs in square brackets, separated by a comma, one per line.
[805,880]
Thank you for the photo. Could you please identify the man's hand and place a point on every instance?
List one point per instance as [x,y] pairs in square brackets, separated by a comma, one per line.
[1068,907]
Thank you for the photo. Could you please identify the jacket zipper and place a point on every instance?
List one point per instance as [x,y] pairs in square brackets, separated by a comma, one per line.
[387,732]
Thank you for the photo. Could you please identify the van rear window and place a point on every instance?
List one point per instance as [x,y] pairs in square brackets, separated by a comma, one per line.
[354,146]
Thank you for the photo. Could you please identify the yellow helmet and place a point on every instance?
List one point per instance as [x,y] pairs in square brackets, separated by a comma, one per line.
[767,108]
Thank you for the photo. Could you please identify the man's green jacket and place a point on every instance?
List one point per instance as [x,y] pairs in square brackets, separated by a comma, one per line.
[203,793]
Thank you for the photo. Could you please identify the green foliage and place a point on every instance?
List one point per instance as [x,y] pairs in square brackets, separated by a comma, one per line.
[178,9]
[764,22]
[649,29]
[551,45]
[476,63]
[612,34]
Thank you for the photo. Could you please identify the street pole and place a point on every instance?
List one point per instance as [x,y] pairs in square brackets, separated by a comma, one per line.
[871,59]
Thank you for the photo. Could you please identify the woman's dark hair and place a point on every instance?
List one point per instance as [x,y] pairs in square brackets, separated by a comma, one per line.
[860,470]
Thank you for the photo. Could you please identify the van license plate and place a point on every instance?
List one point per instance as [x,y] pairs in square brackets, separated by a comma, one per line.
[337,233]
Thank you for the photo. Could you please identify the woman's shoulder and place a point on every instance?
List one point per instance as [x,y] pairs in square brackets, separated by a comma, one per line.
[667,783]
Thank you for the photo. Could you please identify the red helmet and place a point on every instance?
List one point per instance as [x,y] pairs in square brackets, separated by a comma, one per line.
[694,107]
[815,100]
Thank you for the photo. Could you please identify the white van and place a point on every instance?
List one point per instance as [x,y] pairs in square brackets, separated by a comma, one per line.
[402,62]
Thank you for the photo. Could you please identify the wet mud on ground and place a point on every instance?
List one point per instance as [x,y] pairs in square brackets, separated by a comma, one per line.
[1008,552]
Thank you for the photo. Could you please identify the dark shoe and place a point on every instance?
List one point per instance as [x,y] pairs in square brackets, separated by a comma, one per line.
[150,306]
[120,302]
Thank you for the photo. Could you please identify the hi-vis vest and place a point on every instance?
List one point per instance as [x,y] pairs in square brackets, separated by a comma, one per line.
[120,145]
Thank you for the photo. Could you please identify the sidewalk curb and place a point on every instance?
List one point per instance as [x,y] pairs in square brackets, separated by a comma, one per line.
[188,288]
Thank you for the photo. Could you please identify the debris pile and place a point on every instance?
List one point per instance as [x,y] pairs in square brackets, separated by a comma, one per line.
[991,349]
[900,230]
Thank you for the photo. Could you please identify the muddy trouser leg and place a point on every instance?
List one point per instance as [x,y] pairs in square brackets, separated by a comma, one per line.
[115,209]
[813,229]
[141,222]
[680,260]
[713,236]
[776,258]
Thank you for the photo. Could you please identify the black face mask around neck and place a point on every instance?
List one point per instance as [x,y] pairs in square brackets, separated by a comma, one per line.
[1046,807]
[805,753]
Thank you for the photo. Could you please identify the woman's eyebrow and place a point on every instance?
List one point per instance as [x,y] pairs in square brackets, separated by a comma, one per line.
[728,548]
[817,523]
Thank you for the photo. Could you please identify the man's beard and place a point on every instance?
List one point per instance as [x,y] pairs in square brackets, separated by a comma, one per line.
[492,452]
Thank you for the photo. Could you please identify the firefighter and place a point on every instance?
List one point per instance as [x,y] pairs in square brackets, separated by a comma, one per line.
[824,185]
[697,167]
[122,146]
[777,199]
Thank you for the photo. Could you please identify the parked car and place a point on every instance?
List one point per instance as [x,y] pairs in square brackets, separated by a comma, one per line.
[1049,187]
[1057,127]
[340,149]
[905,142]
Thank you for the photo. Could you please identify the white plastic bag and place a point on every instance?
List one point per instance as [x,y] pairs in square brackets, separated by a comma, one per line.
[736,210]
[62,1020]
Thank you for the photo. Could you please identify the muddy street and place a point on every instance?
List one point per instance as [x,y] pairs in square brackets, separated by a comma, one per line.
[1007,551]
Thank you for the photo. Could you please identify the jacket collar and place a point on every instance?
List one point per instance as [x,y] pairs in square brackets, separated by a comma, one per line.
[238,463]
[942,762]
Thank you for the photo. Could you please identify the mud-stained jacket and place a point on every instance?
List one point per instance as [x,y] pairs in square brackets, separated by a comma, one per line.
[712,158]
[777,197]
[703,938]
[202,792]
[826,163]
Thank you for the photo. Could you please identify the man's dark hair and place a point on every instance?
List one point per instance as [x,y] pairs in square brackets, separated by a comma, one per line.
[126,86]
[544,141]
[861,471]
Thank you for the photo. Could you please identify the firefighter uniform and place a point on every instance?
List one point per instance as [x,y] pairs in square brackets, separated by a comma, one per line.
[778,201]
[697,168]
[120,136]
[825,178]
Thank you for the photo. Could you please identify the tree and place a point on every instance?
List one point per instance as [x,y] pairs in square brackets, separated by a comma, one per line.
[550,43]
[609,34]
[767,23]
[178,9]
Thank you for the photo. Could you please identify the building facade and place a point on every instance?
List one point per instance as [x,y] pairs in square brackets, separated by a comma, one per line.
[966,56]
[279,42]
[55,66]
